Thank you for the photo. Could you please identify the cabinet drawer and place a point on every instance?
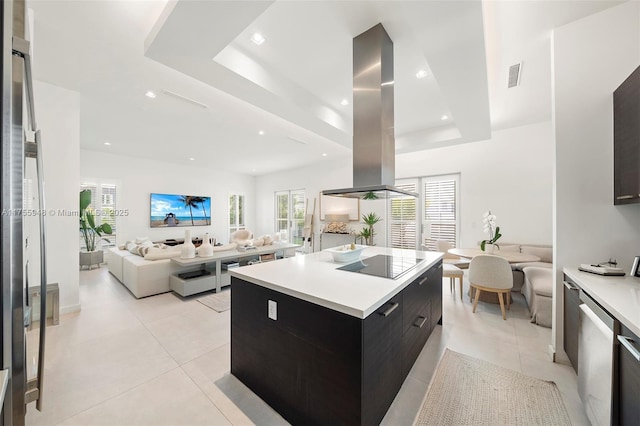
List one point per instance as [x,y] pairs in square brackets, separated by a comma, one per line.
[413,341]
[628,380]
[416,300]
[571,319]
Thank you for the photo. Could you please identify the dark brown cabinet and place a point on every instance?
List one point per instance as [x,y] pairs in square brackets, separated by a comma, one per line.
[628,389]
[571,320]
[626,141]
[314,365]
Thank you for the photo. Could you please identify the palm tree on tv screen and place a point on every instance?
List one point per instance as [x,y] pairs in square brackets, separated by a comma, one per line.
[188,201]
[202,201]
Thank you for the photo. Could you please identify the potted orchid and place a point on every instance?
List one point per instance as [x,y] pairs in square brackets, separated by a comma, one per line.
[489,221]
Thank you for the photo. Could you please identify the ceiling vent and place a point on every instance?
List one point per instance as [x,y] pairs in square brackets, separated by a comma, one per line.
[514,75]
[183,98]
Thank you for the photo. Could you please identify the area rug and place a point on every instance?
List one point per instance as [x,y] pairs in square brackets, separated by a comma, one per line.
[219,302]
[468,391]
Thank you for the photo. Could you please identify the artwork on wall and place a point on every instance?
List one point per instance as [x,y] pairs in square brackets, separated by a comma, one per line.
[169,210]
[330,206]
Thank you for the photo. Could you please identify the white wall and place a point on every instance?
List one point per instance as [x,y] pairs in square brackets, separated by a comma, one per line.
[591,58]
[511,174]
[313,179]
[58,117]
[137,178]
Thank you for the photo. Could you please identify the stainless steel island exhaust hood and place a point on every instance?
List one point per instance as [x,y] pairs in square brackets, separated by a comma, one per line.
[373,121]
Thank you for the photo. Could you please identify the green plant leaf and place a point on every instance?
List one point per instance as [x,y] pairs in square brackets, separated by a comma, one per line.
[482,244]
[91,220]
[370,196]
[85,200]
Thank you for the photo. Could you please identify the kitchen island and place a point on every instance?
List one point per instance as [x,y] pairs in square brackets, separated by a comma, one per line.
[323,345]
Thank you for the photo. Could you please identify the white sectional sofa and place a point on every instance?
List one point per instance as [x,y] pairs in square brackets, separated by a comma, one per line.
[534,280]
[142,277]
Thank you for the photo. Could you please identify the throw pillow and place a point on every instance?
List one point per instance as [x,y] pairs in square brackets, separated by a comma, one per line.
[544,253]
[140,240]
[157,253]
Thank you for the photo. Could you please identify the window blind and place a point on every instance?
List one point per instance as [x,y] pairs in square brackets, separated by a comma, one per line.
[440,211]
[403,219]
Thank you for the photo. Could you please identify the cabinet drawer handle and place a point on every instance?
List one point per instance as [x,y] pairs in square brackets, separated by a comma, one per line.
[424,280]
[625,197]
[420,322]
[571,286]
[390,309]
[626,342]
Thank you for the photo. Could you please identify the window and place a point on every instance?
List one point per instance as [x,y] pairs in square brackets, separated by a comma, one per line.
[441,206]
[103,203]
[289,214]
[236,213]
[403,221]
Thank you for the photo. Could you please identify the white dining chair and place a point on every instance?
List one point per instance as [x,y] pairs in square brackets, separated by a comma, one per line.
[492,274]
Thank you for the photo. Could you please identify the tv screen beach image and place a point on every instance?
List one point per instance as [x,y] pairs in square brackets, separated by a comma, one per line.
[169,210]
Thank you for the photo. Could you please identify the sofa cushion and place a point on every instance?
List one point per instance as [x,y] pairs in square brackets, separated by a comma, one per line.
[520,266]
[166,252]
[510,247]
[544,253]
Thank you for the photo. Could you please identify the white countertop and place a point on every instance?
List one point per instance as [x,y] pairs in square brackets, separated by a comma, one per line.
[620,296]
[315,278]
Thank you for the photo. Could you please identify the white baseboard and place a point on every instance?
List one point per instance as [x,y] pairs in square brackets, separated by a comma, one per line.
[70,309]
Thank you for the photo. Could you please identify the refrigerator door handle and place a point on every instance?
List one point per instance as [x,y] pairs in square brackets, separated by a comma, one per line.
[21,48]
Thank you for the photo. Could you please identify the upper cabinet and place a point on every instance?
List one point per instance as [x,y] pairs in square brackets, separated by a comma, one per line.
[626,141]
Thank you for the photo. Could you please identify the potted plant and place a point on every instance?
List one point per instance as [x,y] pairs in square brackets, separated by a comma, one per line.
[368,232]
[90,232]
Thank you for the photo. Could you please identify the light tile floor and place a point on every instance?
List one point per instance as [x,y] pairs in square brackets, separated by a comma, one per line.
[164,360]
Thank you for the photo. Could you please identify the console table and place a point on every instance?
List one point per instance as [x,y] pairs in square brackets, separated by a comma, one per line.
[220,256]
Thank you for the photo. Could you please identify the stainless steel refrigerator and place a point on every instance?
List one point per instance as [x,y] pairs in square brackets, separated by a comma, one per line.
[22,346]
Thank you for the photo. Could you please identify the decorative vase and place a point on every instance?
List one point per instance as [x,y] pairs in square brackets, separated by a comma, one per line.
[489,248]
[205,249]
[188,249]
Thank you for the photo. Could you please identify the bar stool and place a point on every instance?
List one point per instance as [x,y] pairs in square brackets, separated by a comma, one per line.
[452,272]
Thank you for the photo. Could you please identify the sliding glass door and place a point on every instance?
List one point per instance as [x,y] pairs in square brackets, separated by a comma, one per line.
[289,214]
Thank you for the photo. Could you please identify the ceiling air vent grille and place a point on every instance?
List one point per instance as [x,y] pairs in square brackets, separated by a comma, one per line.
[514,75]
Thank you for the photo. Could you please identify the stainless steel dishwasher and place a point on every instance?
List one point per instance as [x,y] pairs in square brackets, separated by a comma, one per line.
[595,360]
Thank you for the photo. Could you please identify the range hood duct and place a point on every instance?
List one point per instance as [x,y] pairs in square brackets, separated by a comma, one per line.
[374,153]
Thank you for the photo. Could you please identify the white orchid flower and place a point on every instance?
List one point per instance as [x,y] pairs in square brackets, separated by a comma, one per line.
[486,214]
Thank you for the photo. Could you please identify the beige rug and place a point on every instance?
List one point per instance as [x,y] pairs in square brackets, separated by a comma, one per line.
[468,391]
[219,302]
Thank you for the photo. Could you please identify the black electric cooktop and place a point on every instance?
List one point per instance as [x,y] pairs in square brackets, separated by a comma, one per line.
[383,265]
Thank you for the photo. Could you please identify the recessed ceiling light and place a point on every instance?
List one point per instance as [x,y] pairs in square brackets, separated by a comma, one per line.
[192,159]
[324,154]
[261,132]
[253,170]
[257,38]
[107,143]
[421,74]
[344,102]
[444,117]
[150,94]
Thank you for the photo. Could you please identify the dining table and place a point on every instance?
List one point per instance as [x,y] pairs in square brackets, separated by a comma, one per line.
[509,256]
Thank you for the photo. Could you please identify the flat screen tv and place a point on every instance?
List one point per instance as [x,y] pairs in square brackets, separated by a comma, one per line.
[169,210]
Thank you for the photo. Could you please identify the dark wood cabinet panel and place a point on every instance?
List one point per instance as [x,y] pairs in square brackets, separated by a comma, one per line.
[309,351]
[381,360]
[626,140]
[628,389]
[314,365]
[571,321]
